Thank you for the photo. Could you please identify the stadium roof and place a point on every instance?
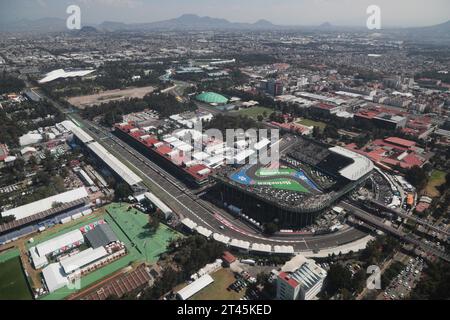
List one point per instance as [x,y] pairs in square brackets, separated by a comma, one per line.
[60,73]
[81,134]
[82,259]
[45,204]
[119,168]
[211,97]
[54,244]
[101,236]
[360,166]
[195,287]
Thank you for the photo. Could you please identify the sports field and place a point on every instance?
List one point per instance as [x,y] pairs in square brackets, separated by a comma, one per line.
[312,123]
[282,179]
[133,224]
[437,178]
[13,283]
[129,227]
[254,112]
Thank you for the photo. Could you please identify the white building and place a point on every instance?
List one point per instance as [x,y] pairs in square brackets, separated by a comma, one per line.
[195,287]
[300,279]
[42,205]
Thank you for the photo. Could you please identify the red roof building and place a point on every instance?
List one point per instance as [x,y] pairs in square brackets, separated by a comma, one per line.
[4,153]
[228,258]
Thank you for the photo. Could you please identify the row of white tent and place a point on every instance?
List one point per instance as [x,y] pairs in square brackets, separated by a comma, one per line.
[236,243]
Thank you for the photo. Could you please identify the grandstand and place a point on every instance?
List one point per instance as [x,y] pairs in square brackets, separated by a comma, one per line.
[311,177]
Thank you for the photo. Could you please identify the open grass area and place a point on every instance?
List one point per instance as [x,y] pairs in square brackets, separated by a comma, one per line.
[312,123]
[13,283]
[133,223]
[437,178]
[254,112]
[218,289]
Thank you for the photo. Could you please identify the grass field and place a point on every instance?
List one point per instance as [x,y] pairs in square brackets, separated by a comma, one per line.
[254,112]
[274,172]
[283,184]
[218,289]
[311,123]
[133,223]
[13,283]
[437,178]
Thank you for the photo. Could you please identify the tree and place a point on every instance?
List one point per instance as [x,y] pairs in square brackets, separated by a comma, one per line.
[122,191]
[338,278]
[417,177]
[270,228]
[154,220]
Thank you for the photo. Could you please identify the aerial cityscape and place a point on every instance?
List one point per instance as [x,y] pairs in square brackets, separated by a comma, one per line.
[182,151]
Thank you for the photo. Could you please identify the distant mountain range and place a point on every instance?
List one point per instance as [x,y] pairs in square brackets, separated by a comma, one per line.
[188,22]
[195,22]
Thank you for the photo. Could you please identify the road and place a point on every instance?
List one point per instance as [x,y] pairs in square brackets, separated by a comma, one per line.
[411,217]
[186,204]
[379,224]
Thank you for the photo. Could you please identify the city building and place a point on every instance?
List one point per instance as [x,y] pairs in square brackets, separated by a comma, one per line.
[300,279]
[394,153]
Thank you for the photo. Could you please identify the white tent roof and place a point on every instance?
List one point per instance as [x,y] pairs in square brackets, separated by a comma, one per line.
[189,223]
[60,73]
[82,259]
[283,249]
[195,287]
[221,238]
[203,231]
[54,244]
[54,277]
[261,247]
[240,244]
[30,138]
[42,205]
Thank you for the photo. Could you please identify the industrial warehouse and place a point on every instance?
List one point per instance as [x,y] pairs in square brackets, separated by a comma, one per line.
[309,179]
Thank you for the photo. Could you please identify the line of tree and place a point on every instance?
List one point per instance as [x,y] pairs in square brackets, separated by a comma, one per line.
[112,112]
[10,84]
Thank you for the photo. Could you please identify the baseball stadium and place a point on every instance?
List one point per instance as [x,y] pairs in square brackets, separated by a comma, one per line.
[309,178]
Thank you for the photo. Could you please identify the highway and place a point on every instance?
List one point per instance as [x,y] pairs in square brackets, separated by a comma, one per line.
[186,204]
[379,224]
[411,217]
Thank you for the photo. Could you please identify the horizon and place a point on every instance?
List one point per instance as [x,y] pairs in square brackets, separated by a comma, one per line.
[349,13]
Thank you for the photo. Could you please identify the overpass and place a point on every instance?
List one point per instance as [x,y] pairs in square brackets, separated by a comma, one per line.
[401,214]
[377,223]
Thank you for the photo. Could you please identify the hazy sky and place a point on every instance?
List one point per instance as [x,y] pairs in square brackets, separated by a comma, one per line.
[283,12]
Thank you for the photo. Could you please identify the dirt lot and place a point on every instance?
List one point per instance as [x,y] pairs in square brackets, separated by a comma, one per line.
[107,96]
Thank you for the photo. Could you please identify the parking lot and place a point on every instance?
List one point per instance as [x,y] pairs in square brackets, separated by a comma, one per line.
[402,285]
